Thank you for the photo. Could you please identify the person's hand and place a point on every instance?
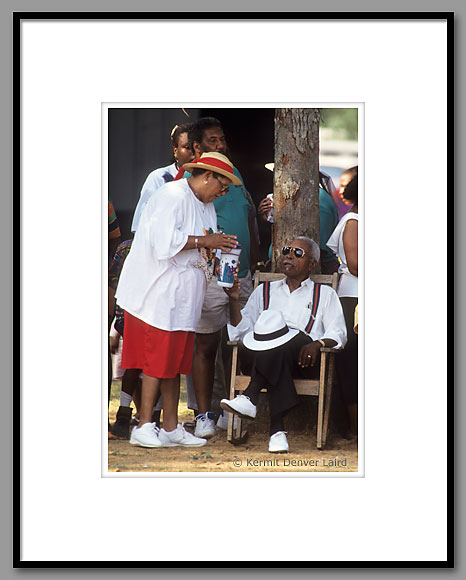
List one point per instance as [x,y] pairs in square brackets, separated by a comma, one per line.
[309,354]
[233,292]
[224,242]
[264,207]
[114,343]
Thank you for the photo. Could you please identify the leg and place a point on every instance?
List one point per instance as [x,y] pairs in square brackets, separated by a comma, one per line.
[203,368]
[149,392]
[171,395]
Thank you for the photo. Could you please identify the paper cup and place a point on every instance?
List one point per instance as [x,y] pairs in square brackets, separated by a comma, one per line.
[228,265]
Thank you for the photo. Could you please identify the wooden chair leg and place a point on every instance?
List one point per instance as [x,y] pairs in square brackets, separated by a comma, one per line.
[328,397]
[320,408]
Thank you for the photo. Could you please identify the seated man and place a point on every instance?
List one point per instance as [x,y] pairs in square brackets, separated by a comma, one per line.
[284,324]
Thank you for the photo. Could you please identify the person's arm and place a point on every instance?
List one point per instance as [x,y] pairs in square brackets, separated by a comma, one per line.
[233,295]
[246,318]
[350,245]
[224,242]
[309,354]
[264,207]
[333,320]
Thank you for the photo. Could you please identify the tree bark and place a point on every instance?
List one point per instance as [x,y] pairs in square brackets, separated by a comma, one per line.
[296,178]
[296,213]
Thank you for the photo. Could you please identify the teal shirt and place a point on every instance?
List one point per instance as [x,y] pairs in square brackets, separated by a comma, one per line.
[233,218]
[328,222]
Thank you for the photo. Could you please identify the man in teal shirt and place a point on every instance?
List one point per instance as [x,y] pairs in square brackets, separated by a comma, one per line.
[236,214]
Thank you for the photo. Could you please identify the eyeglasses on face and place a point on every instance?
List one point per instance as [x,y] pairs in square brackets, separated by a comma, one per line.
[298,252]
[224,187]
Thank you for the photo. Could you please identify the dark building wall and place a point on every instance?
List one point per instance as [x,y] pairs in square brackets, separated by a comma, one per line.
[138,143]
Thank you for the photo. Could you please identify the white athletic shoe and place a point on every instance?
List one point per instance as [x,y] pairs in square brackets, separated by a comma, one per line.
[240,405]
[278,443]
[222,421]
[146,436]
[205,425]
[180,437]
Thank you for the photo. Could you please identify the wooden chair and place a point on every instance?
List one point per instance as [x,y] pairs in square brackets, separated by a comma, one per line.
[321,388]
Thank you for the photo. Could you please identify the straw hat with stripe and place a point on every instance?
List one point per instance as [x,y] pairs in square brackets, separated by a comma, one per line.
[216,162]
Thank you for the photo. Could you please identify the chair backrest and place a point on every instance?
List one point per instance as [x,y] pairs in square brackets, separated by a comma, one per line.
[329,279]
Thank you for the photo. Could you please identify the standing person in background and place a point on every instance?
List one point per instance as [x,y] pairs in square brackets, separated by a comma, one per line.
[113,241]
[130,379]
[162,287]
[344,242]
[236,214]
[343,206]
[328,216]
[182,153]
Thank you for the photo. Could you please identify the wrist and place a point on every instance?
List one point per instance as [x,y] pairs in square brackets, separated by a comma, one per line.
[321,343]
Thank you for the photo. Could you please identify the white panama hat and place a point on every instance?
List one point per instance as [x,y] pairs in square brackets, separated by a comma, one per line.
[269,332]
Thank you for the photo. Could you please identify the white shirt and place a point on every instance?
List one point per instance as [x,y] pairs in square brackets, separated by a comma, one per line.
[154,180]
[295,307]
[348,285]
[160,283]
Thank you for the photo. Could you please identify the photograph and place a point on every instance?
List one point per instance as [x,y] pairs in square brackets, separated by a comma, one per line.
[232,289]
[188,288]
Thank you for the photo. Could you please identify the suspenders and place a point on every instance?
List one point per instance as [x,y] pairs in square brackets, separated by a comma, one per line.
[314,307]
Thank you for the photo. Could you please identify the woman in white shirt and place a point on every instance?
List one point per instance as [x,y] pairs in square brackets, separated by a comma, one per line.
[162,286]
[344,242]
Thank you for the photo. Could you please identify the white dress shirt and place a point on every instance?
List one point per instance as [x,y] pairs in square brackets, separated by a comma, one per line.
[160,283]
[154,181]
[296,308]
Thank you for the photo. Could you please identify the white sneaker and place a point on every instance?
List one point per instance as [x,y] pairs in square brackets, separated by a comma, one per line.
[240,405]
[146,436]
[205,425]
[278,443]
[180,437]
[222,421]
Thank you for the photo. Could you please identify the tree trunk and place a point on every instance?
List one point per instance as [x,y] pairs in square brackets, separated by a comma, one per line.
[296,178]
[296,213]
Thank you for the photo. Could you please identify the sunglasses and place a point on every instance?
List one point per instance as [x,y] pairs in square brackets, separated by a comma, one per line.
[298,252]
[224,187]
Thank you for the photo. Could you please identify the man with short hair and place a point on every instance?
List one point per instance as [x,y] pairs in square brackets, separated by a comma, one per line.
[236,214]
[283,326]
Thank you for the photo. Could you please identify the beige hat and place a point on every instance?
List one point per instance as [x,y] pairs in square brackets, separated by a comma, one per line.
[216,162]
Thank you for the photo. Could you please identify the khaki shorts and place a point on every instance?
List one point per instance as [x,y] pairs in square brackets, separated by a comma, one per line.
[215,310]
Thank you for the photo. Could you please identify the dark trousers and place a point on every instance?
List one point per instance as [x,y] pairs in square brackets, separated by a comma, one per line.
[275,370]
[347,360]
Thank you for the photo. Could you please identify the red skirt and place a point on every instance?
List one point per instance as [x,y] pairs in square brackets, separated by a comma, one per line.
[159,353]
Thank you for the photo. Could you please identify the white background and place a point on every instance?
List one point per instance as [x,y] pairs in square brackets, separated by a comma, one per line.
[398,69]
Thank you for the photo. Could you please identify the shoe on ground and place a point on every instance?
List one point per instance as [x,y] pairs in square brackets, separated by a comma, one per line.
[205,425]
[121,426]
[222,421]
[180,438]
[240,405]
[278,443]
[146,436]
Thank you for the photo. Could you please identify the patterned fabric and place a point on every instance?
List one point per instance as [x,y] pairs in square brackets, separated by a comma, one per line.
[113,276]
[113,225]
[119,258]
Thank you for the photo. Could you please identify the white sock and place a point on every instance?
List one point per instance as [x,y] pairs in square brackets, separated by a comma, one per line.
[125,399]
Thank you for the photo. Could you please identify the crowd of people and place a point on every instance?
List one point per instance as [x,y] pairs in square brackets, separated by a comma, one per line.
[174,318]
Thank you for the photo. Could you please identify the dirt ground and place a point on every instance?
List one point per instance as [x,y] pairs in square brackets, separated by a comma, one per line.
[218,455]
